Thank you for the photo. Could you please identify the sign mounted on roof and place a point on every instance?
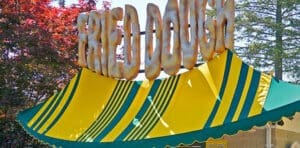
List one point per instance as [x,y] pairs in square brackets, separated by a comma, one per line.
[102,36]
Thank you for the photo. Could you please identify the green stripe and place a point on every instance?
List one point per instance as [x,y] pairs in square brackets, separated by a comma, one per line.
[66,104]
[221,93]
[46,110]
[107,109]
[250,95]
[113,112]
[141,112]
[155,119]
[52,108]
[238,93]
[157,103]
[115,91]
[152,101]
[129,99]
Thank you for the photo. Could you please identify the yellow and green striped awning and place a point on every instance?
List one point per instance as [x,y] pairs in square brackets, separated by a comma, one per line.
[219,97]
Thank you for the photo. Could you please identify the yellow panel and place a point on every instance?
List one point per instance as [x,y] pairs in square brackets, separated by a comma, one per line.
[48,111]
[156,108]
[217,68]
[38,114]
[261,94]
[229,92]
[85,104]
[196,94]
[58,108]
[244,95]
[204,69]
[143,120]
[33,120]
[190,106]
[108,120]
[130,113]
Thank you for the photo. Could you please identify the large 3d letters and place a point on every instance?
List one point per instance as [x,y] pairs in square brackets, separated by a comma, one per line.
[131,49]
[207,48]
[115,36]
[82,38]
[192,31]
[152,59]
[225,17]
[171,61]
[189,48]
[94,46]
[105,41]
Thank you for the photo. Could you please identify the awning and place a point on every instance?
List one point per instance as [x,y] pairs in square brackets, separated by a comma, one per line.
[219,97]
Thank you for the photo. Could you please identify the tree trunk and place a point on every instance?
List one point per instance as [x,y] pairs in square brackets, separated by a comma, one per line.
[62,3]
[278,54]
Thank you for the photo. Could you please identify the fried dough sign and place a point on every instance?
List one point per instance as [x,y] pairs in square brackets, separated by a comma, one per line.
[190,27]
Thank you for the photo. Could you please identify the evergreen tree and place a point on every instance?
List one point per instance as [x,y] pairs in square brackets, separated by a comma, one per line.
[268,35]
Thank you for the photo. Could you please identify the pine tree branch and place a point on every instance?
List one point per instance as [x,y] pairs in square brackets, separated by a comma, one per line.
[257,11]
[293,14]
[265,13]
[255,38]
[254,4]
[287,10]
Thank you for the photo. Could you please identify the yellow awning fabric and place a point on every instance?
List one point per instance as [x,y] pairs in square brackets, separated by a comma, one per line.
[219,97]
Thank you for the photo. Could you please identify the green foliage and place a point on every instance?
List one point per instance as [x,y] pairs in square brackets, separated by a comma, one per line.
[12,135]
[268,35]
[38,46]
[32,63]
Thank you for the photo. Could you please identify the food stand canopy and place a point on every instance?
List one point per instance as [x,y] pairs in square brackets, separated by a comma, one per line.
[222,96]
